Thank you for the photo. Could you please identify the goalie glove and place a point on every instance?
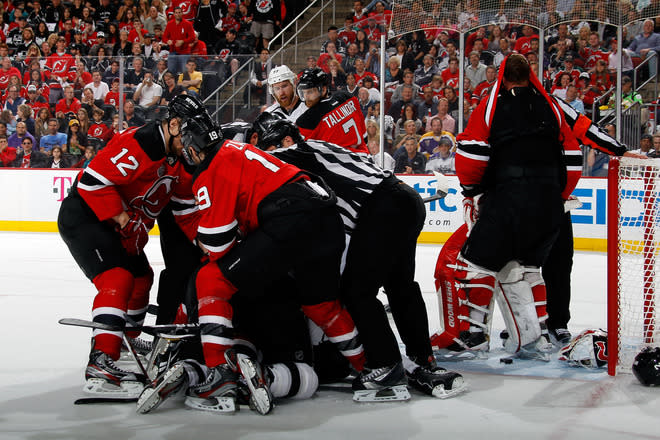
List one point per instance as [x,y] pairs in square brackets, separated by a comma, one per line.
[134,234]
[471,210]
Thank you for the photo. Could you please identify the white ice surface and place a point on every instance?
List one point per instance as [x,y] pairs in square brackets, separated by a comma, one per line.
[42,367]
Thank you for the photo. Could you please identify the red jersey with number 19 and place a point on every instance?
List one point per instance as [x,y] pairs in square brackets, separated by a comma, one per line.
[229,186]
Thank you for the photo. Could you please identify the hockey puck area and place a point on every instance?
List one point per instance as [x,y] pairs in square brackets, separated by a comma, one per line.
[506,361]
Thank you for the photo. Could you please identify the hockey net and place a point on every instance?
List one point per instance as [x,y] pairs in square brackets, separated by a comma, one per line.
[633,246]
[466,15]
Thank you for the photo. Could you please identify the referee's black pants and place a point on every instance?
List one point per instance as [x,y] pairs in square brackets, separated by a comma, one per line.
[381,253]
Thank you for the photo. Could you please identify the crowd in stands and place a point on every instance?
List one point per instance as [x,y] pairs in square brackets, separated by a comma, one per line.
[422,70]
[60,68]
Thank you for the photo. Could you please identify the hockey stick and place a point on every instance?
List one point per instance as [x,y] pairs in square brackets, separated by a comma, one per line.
[441,188]
[93,400]
[154,330]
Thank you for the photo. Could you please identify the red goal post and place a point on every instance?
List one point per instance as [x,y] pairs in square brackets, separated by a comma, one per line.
[633,246]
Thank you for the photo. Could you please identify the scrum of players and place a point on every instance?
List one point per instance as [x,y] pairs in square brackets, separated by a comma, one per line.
[269,232]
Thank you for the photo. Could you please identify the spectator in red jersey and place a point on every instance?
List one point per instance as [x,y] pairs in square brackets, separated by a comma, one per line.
[359,16]
[137,33]
[60,70]
[479,34]
[112,98]
[450,74]
[483,88]
[348,33]
[99,130]
[524,43]
[592,53]
[178,35]
[7,153]
[34,99]
[6,72]
[68,106]
[330,54]
[361,73]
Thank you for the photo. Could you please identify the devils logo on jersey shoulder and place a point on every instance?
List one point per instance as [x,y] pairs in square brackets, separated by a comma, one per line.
[156,197]
[264,6]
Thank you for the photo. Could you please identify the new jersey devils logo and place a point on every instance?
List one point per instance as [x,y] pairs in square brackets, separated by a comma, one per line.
[59,66]
[155,198]
[264,6]
[601,351]
[224,53]
[98,131]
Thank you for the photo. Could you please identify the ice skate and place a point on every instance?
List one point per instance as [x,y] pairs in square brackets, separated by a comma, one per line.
[141,346]
[470,345]
[435,381]
[167,385]
[260,398]
[163,356]
[560,336]
[105,379]
[217,393]
[384,384]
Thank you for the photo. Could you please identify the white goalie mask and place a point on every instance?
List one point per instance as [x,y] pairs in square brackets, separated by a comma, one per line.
[588,349]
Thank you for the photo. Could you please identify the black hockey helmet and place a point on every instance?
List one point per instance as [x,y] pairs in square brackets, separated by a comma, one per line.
[237,130]
[185,106]
[271,129]
[200,133]
[646,366]
[314,78]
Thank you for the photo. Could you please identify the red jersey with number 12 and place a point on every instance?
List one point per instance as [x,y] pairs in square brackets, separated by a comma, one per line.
[133,172]
[337,119]
[229,187]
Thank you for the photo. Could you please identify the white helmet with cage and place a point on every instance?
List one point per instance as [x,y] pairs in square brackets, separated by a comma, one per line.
[279,74]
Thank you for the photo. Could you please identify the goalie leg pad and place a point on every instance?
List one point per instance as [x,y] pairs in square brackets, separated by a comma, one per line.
[465,295]
[522,301]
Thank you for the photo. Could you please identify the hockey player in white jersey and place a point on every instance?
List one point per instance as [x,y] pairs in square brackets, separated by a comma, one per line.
[282,86]
[373,203]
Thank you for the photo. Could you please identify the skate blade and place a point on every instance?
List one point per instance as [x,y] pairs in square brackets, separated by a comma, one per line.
[222,405]
[398,393]
[152,397]
[444,355]
[102,388]
[532,356]
[261,399]
[458,386]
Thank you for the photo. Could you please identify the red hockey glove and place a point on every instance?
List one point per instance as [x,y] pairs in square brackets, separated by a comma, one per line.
[471,211]
[134,234]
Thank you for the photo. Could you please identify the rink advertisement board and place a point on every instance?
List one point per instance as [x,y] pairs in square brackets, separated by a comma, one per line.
[30,200]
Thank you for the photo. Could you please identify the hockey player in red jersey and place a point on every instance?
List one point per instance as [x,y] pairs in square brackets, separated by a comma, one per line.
[335,118]
[286,222]
[517,161]
[105,221]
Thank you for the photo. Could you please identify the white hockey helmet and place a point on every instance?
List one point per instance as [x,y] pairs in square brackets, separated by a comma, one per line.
[279,74]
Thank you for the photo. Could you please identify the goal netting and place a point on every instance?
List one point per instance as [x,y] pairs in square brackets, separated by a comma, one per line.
[633,247]
[465,15]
